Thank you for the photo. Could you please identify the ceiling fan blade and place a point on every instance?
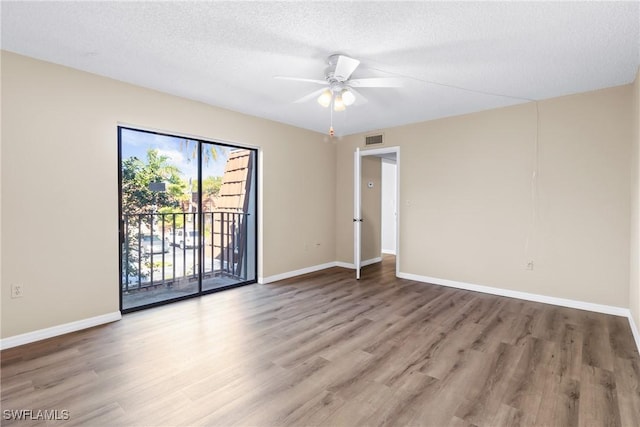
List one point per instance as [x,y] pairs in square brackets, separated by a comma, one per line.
[345,67]
[360,99]
[310,96]
[376,82]
[298,79]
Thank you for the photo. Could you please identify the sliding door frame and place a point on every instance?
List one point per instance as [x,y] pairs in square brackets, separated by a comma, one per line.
[256,187]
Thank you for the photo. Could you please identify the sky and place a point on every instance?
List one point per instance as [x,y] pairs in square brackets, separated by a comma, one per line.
[136,143]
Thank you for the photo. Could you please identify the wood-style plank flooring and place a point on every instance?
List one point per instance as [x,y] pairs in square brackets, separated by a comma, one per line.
[325,349]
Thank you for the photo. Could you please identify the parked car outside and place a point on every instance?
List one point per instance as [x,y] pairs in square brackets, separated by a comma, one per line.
[153,245]
[185,238]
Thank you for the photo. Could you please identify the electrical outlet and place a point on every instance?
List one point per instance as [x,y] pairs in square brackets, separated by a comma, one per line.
[530,265]
[17,291]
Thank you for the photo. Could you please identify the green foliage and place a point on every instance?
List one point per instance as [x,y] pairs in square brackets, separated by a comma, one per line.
[137,198]
[168,219]
[210,186]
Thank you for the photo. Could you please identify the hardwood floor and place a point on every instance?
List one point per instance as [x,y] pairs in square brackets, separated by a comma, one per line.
[325,349]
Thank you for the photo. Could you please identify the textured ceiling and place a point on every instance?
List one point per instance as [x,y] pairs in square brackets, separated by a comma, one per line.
[454,58]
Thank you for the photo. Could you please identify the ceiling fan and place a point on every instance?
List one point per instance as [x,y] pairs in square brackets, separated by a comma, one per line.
[340,89]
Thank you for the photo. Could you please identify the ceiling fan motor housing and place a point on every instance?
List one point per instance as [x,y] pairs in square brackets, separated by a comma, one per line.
[335,86]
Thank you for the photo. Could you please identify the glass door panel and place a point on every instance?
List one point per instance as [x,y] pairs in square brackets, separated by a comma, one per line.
[228,216]
[187,217]
[159,217]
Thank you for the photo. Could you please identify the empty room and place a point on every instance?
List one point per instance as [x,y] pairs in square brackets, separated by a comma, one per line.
[332,213]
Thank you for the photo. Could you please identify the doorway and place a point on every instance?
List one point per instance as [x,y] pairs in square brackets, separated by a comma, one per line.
[376,206]
[388,214]
[187,215]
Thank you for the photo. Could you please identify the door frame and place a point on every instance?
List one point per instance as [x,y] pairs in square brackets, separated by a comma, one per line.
[357,236]
[257,238]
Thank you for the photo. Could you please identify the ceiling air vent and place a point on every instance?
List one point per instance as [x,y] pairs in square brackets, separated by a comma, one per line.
[373,140]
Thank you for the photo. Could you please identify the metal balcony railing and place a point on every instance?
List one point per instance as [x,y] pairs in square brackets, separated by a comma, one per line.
[169,248]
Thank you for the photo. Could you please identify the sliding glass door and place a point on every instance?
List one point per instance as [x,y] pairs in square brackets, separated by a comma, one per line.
[187,217]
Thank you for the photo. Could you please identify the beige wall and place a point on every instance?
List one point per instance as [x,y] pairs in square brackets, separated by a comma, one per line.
[60,188]
[634,284]
[467,209]
[371,208]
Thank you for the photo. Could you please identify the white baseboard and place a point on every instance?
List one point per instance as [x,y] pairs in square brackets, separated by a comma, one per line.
[289,274]
[599,308]
[634,330]
[371,261]
[348,265]
[352,266]
[562,302]
[54,331]
[389,251]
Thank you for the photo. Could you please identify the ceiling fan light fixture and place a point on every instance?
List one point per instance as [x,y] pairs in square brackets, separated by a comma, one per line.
[348,97]
[338,103]
[325,98]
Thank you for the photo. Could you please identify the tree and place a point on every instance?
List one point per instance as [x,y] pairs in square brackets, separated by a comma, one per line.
[137,197]
[209,151]
[168,220]
[211,186]
[138,200]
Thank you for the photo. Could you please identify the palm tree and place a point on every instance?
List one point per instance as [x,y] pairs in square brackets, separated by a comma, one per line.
[190,148]
[137,175]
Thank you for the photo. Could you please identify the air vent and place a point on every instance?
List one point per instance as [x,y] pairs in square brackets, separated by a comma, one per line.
[373,140]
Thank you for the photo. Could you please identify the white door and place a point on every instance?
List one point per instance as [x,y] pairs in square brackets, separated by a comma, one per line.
[357,219]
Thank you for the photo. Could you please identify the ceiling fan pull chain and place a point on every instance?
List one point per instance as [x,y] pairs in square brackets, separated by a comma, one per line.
[331,132]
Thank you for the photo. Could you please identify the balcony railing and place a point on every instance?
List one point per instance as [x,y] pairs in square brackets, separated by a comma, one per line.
[170,248]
